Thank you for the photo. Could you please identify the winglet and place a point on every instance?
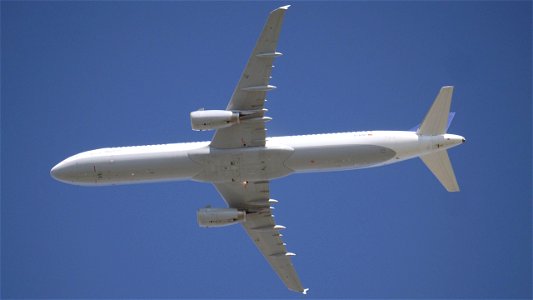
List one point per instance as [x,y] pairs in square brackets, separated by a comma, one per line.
[305,291]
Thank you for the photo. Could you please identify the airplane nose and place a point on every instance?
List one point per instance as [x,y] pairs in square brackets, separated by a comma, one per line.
[59,172]
[66,171]
[74,171]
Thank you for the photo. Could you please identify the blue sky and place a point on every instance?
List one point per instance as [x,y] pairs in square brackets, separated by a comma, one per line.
[84,75]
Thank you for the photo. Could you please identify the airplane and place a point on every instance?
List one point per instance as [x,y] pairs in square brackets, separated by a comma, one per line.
[240,160]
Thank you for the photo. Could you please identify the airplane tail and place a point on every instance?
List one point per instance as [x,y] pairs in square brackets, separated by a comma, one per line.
[435,123]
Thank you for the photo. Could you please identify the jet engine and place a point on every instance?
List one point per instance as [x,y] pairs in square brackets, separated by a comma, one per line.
[213,119]
[218,217]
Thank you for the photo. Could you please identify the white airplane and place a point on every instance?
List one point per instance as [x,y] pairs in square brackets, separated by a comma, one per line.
[240,160]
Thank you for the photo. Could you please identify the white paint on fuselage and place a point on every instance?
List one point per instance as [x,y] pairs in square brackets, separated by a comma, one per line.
[280,157]
[123,165]
[362,149]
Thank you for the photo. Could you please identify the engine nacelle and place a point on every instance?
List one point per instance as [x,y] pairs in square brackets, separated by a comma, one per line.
[218,217]
[213,119]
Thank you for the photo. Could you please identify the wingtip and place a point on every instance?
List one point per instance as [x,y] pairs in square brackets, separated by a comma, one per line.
[281,9]
[305,291]
[454,189]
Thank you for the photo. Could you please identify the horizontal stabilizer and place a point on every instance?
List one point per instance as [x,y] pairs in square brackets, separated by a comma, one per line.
[437,117]
[439,164]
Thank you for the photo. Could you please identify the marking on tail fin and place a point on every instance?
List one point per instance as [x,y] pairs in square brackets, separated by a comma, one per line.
[451,115]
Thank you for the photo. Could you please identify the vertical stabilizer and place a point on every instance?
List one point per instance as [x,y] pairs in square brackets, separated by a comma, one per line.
[436,120]
[439,164]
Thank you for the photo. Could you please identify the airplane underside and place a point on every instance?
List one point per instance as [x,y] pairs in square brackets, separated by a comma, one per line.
[240,160]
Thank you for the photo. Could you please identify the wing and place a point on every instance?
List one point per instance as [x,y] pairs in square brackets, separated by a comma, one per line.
[254,197]
[249,96]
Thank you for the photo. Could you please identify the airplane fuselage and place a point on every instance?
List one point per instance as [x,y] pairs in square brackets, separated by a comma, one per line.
[280,157]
